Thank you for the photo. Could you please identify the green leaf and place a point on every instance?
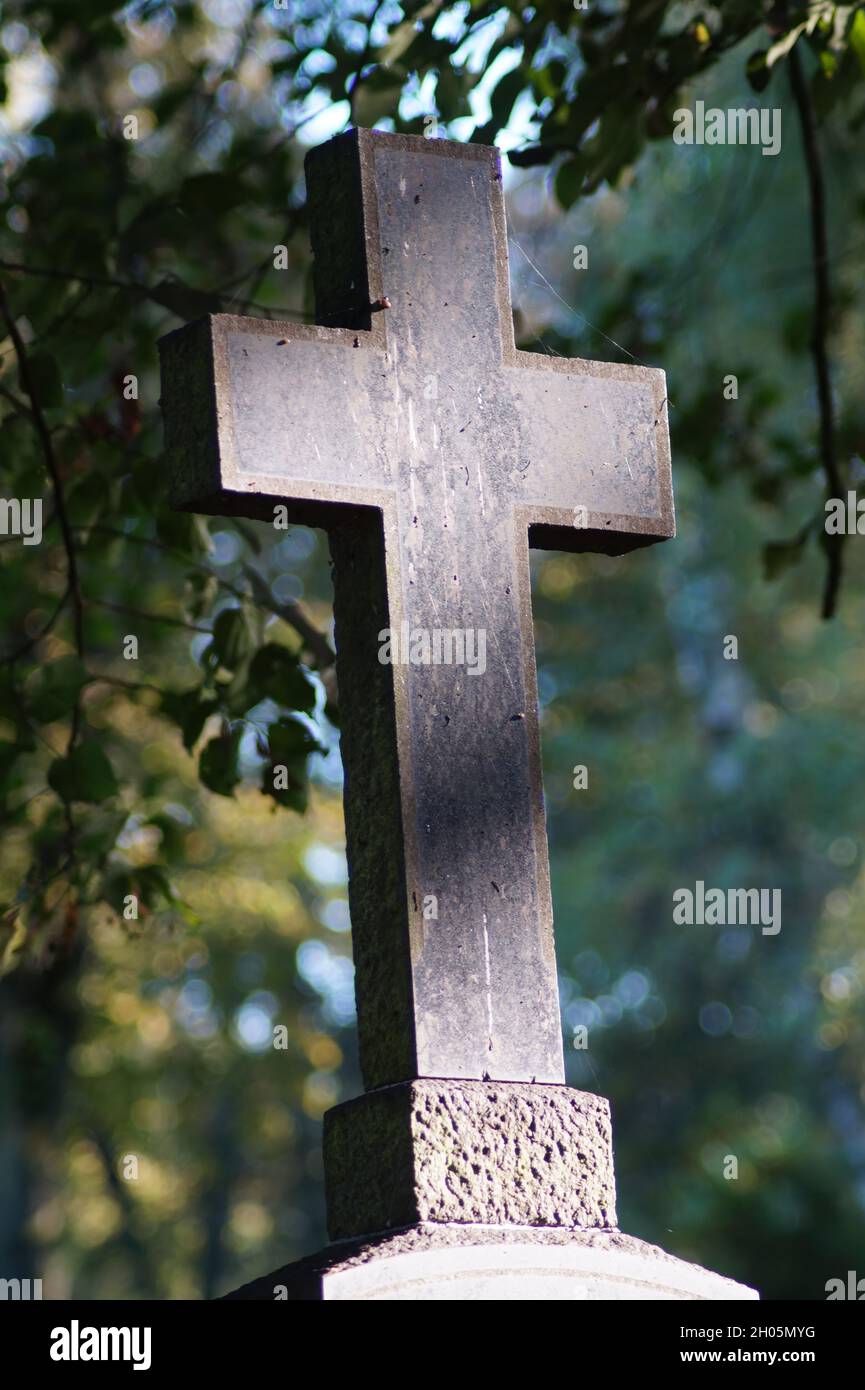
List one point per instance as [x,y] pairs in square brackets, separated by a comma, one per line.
[857,37]
[18,445]
[828,62]
[548,82]
[825,92]
[613,148]
[506,92]
[184,300]
[146,483]
[172,833]
[757,72]
[56,688]
[212,194]
[96,834]
[276,674]
[569,181]
[501,105]
[531,156]
[295,793]
[183,531]
[156,225]
[217,765]
[85,775]
[12,708]
[289,739]
[169,101]
[70,129]
[87,499]
[233,638]
[376,96]
[190,711]
[153,884]
[9,753]
[779,556]
[452,92]
[796,329]
[45,379]
[202,591]
[290,742]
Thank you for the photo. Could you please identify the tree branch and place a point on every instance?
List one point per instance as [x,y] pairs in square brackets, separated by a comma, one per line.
[144,291]
[104,281]
[129,1235]
[822,314]
[44,435]
[149,617]
[290,612]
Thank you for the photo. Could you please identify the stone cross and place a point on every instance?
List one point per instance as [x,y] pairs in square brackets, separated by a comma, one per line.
[434,453]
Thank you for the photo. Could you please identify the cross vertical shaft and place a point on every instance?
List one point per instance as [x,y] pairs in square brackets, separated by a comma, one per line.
[450,898]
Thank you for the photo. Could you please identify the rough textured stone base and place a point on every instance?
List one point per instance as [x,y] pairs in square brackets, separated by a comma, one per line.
[496,1153]
[443,1263]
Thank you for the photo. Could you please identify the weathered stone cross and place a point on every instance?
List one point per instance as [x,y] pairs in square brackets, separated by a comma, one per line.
[434,454]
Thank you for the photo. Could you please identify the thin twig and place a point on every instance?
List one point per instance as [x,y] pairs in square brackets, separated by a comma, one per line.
[290,612]
[142,291]
[103,281]
[18,652]
[149,617]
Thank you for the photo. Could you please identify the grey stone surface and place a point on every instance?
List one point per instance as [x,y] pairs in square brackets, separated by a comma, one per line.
[500,1153]
[486,1264]
[434,453]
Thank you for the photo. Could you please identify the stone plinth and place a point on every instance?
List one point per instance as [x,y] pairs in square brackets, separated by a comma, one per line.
[443,1190]
[494,1153]
[435,1262]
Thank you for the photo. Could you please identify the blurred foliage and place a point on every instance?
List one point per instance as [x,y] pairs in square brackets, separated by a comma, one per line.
[165,906]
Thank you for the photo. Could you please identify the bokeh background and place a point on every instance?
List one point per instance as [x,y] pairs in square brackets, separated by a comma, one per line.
[155,1142]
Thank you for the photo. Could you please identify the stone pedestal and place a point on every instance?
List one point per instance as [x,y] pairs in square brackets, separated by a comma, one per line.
[444,1190]
[494,1153]
[450,1263]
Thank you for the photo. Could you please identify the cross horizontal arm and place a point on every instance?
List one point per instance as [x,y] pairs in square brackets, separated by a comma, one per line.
[594,459]
[259,412]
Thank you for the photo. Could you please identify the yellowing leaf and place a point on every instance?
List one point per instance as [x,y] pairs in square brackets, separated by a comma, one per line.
[857,37]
